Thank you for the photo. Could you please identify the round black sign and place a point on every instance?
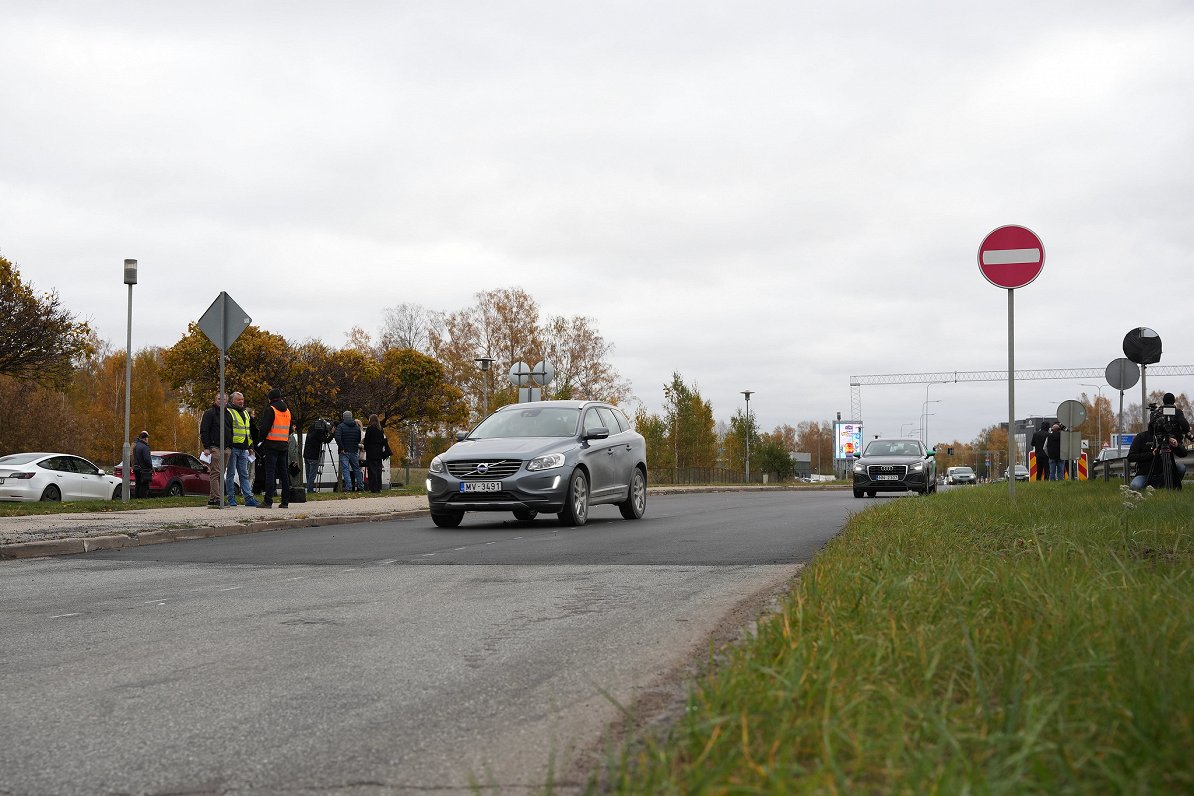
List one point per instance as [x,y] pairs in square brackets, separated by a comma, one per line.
[1142,346]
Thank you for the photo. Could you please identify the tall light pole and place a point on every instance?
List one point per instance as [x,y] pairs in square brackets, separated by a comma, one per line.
[130,279]
[485,362]
[924,411]
[748,393]
[926,403]
[902,432]
[1098,409]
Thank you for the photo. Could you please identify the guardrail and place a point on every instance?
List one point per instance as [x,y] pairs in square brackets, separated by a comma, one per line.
[1109,469]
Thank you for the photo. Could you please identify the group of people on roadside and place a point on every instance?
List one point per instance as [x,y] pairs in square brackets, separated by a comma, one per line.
[1153,452]
[274,450]
[363,451]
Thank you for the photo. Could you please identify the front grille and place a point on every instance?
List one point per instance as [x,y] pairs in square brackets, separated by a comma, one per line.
[484,469]
[887,469]
[481,497]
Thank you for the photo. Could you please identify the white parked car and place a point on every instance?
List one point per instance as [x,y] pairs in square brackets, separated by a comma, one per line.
[960,475]
[54,476]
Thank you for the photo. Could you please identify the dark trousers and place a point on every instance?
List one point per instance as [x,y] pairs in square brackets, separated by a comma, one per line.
[275,471]
[374,475]
[143,478]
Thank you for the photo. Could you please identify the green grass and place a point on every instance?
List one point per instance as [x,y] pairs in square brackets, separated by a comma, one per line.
[959,644]
[15,509]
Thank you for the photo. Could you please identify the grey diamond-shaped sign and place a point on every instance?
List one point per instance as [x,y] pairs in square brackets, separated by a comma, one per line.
[224,321]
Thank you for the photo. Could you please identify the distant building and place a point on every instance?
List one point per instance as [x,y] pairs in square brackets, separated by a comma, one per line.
[802,464]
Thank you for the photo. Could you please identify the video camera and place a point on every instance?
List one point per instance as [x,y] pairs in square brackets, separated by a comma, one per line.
[1167,421]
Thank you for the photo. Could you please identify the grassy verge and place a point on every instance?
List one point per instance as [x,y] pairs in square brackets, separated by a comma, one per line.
[15,509]
[959,644]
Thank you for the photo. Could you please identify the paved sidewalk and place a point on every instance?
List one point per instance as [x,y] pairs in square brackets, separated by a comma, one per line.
[56,534]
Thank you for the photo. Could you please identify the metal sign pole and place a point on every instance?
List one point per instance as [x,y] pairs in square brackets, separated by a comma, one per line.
[1011,386]
[223,348]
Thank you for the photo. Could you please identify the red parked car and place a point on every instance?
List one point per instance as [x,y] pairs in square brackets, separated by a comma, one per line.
[175,474]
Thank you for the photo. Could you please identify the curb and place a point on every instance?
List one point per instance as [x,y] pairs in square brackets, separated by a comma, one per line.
[60,547]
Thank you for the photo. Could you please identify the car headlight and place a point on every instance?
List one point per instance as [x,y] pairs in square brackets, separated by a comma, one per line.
[548,462]
[919,467]
[859,468]
[437,465]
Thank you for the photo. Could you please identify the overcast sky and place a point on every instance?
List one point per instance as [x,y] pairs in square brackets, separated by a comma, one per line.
[772,196]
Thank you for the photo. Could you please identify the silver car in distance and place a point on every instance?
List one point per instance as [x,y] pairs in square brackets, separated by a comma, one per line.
[545,457]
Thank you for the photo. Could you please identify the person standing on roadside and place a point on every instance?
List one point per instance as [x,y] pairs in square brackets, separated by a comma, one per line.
[1039,438]
[142,465]
[1053,449]
[242,443]
[275,448]
[377,450]
[348,438]
[317,436]
[209,438]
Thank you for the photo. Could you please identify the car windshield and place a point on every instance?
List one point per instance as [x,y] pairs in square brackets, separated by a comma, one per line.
[20,458]
[965,471]
[529,421]
[884,447]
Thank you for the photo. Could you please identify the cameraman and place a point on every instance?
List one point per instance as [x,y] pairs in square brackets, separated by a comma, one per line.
[1168,418]
[317,436]
[1146,455]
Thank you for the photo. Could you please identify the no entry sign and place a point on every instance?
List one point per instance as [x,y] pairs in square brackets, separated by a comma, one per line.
[1011,257]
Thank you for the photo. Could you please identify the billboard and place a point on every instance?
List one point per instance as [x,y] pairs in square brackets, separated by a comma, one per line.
[847,439]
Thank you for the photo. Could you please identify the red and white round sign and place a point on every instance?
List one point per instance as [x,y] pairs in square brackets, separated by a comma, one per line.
[1011,256]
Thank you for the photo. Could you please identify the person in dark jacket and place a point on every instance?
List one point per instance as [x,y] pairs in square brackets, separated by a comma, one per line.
[348,437]
[1053,450]
[1038,447]
[209,438]
[1150,470]
[318,435]
[142,465]
[274,448]
[377,450]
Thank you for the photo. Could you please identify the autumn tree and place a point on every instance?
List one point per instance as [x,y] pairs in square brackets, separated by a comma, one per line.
[506,326]
[742,431]
[816,439]
[409,326]
[773,456]
[42,340]
[256,362]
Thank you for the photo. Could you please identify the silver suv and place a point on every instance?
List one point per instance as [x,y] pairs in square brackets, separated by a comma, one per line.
[558,457]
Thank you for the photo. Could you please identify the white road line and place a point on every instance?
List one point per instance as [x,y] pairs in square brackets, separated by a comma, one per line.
[1011,256]
[491,543]
[460,548]
[298,578]
[428,555]
[62,616]
[231,588]
[388,561]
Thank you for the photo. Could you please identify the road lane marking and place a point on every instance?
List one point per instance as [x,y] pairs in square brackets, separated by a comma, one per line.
[63,616]
[231,588]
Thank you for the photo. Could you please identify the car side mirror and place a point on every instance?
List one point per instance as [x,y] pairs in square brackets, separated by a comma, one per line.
[856,455]
[600,432]
[461,436]
[930,453]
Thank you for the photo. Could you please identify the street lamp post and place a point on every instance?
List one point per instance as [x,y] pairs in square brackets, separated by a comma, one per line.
[902,432]
[748,393]
[1098,409]
[924,411]
[485,362]
[130,279]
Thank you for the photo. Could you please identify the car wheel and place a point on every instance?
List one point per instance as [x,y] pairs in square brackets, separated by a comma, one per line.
[116,493]
[857,493]
[635,504]
[175,490]
[525,515]
[51,493]
[449,519]
[576,509]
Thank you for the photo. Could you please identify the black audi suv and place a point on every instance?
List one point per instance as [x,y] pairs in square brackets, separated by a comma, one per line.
[894,465]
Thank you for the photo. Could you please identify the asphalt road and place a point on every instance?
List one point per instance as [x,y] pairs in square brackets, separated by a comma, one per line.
[377,658]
